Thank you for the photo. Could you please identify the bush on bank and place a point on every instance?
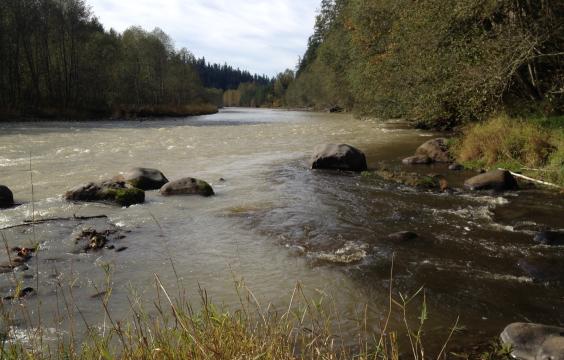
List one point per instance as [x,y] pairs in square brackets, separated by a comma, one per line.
[532,146]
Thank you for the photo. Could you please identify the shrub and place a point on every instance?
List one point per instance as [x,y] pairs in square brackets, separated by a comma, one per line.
[503,139]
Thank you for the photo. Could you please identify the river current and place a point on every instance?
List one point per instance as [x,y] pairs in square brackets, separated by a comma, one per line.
[274,222]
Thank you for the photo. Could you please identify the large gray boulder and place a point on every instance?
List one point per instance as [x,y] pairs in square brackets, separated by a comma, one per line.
[435,149]
[338,157]
[534,341]
[499,180]
[117,192]
[187,186]
[145,179]
[6,197]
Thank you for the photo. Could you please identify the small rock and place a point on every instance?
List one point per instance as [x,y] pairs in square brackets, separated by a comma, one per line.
[123,248]
[456,167]
[145,179]
[435,149]
[552,238]
[403,236]
[187,186]
[417,160]
[6,197]
[534,341]
[338,157]
[21,293]
[498,180]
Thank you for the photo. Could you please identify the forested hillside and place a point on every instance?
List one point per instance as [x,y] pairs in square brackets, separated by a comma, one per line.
[436,62]
[57,60]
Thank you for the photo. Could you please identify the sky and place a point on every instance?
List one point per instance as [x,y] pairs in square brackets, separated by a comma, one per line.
[262,36]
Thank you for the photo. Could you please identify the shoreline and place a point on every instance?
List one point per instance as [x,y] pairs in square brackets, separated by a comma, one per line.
[122,114]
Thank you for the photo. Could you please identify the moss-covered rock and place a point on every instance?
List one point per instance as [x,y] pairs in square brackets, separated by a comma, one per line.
[424,182]
[187,186]
[117,192]
[127,196]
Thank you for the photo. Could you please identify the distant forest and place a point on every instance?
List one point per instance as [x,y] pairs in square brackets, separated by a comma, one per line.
[57,60]
[438,63]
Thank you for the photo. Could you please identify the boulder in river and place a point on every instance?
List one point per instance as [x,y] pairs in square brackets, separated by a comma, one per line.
[499,180]
[187,186]
[417,160]
[145,179]
[117,192]
[534,341]
[6,197]
[552,238]
[338,157]
[436,149]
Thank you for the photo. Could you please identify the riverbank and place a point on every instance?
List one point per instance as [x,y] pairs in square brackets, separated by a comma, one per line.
[118,113]
[533,147]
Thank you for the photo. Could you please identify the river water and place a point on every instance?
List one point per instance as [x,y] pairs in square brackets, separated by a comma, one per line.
[274,222]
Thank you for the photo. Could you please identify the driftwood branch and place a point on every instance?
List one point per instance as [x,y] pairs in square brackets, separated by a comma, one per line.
[42,221]
[532,180]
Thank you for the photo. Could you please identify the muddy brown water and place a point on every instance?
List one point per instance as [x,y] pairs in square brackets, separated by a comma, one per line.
[274,222]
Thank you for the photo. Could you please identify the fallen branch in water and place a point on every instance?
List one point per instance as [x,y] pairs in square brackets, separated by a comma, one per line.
[531,179]
[42,221]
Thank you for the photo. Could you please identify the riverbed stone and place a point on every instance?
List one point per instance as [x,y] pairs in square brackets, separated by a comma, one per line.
[417,160]
[543,269]
[117,192]
[456,167]
[6,197]
[534,341]
[187,186]
[499,180]
[338,157]
[551,238]
[436,149]
[403,236]
[145,178]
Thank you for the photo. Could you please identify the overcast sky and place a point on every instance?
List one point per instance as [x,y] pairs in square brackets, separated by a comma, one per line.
[262,36]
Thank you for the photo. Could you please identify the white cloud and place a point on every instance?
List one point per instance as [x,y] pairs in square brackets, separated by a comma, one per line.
[263,36]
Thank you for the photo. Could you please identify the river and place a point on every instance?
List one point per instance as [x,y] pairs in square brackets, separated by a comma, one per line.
[274,222]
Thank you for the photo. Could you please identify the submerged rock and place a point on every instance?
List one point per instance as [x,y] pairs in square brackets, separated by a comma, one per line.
[436,150]
[417,160]
[6,197]
[109,191]
[552,238]
[534,341]
[423,182]
[91,239]
[403,236]
[543,269]
[499,180]
[338,157]
[187,186]
[145,179]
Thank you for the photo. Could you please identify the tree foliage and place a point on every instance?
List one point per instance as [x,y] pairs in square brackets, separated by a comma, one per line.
[57,60]
[436,62]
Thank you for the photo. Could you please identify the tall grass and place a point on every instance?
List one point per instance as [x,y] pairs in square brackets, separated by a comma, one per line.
[534,146]
[306,328]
